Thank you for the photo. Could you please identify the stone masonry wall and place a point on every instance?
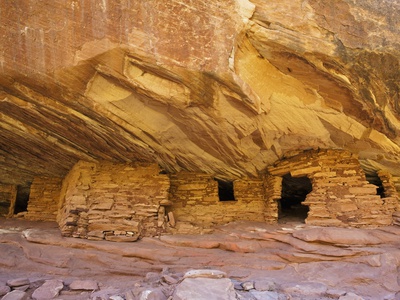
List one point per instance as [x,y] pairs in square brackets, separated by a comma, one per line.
[341,195]
[195,200]
[390,185]
[43,199]
[273,192]
[117,202]
[8,195]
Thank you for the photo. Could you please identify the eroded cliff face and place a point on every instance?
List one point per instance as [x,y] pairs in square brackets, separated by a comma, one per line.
[226,88]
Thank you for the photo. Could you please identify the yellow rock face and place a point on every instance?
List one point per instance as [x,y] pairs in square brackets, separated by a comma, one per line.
[226,88]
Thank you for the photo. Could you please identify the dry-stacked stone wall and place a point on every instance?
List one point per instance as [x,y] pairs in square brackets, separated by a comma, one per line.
[390,186]
[341,195]
[195,200]
[8,195]
[117,202]
[43,199]
[273,193]
[396,182]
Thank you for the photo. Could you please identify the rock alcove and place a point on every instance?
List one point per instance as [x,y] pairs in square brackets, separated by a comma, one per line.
[220,93]
[160,121]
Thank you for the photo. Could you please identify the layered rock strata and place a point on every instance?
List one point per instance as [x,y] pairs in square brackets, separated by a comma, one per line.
[303,262]
[224,88]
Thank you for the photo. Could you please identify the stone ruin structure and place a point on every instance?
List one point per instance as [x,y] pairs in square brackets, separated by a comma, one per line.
[122,119]
[341,194]
[124,202]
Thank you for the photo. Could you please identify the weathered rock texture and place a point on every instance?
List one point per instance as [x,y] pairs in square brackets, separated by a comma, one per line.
[294,262]
[225,87]
[118,202]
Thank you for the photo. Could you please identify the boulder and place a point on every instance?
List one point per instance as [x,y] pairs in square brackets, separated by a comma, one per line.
[18,282]
[48,290]
[201,288]
[16,295]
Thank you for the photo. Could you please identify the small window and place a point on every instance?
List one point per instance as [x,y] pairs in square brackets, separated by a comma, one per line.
[225,190]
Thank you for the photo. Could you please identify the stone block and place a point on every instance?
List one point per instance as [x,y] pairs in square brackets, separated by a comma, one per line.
[171,219]
[325,174]
[344,207]
[113,227]
[192,186]
[305,171]
[365,190]
[104,204]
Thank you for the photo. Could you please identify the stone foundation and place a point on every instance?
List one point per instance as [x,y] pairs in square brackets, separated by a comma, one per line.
[341,195]
[43,199]
[117,202]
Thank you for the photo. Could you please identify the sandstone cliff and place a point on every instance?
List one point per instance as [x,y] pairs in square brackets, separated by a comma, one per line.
[226,87]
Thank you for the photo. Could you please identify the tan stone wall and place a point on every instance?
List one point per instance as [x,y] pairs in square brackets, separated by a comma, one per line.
[396,182]
[43,199]
[113,201]
[195,200]
[273,192]
[8,195]
[341,195]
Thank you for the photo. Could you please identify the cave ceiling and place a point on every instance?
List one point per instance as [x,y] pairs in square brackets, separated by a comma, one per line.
[226,87]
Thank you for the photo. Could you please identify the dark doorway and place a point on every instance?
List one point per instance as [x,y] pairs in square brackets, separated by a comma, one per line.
[21,203]
[225,190]
[374,179]
[294,192]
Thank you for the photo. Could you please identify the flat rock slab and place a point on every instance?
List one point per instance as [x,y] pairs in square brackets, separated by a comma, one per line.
[265,295]
[311,289]
[205,289]
[85,285]
[337,236]
[206,273]
[48,290]
[18,282]
[15,295]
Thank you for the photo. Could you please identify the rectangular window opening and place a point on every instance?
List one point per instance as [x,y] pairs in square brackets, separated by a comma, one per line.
[225,190]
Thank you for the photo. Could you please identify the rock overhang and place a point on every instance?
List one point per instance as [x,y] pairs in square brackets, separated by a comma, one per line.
[226,91]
